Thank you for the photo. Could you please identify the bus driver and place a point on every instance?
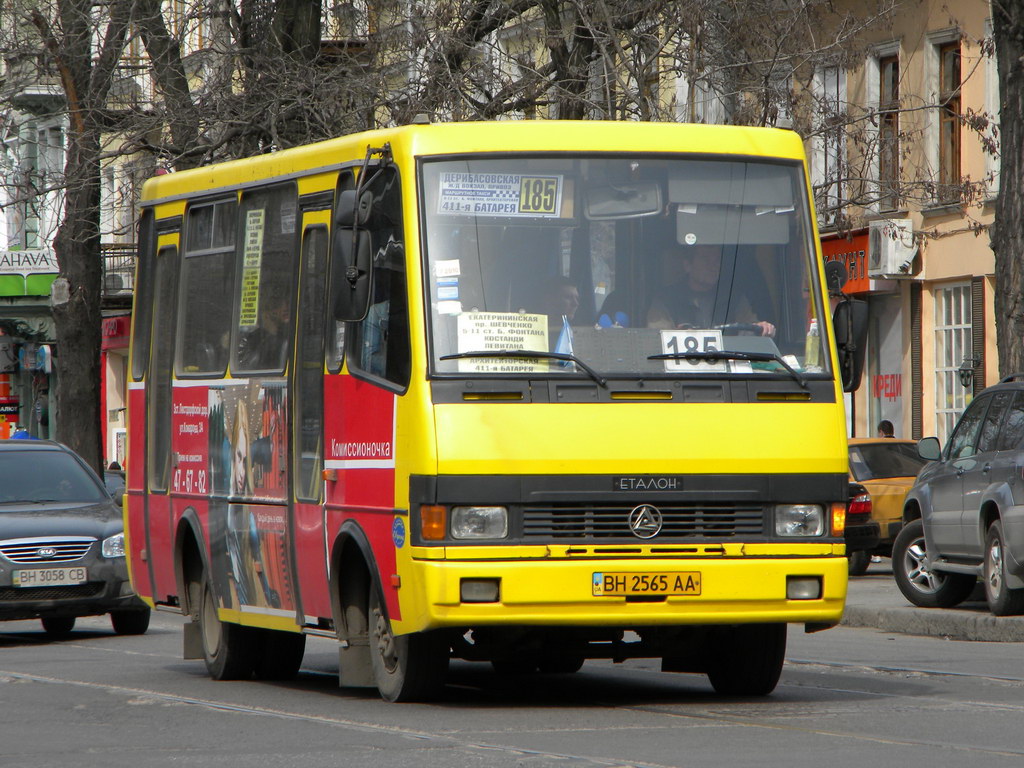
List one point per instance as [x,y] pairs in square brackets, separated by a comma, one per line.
[689,289]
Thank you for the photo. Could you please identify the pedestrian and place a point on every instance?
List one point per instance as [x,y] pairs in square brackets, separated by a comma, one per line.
[885,428]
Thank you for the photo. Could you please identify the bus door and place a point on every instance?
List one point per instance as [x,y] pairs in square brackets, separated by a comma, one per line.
[362,404]
[253,555]
[135,469]
[158,423]
[307,420]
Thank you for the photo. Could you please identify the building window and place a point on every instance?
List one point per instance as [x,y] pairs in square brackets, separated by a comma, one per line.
[829,161]
[888,132]
[952,346]
[949,122]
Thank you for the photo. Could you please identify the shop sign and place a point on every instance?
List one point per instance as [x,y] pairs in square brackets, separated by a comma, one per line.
[888,386]
[8,406]
[24,263]
[853,252]
[115,331]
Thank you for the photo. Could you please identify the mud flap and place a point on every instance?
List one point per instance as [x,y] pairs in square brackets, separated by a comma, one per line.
[192,641]
[354,667]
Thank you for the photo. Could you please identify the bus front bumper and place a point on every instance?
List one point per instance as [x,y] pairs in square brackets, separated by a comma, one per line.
[766,589]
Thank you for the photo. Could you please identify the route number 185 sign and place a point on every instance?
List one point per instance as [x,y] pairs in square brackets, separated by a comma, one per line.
[678,342]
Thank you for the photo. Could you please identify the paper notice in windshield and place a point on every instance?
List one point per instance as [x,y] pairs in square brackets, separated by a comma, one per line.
[251,259]
[500,194]
[497,331]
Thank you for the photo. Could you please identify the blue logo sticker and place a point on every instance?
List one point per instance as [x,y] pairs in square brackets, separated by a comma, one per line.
[398,532]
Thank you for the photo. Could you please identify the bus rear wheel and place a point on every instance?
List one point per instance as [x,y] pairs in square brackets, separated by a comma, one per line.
[746,660]
[229,650]
[405,667]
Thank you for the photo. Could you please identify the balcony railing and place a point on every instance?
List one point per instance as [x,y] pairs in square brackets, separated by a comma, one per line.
[118,270]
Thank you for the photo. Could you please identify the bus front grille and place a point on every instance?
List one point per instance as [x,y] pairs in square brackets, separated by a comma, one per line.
[592,521]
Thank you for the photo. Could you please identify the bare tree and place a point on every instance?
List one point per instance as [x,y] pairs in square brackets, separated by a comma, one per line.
[1008,234]
[85,57]
[222,79]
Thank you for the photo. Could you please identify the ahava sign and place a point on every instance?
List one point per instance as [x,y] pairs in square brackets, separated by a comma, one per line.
[41,262]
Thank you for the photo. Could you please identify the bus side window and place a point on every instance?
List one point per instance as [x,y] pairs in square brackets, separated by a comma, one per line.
[268,257]
[165,300]
[208,274]
[380,343]
[144,288]
[309,361]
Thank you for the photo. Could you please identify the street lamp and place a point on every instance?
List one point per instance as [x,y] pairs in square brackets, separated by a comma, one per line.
[966,370]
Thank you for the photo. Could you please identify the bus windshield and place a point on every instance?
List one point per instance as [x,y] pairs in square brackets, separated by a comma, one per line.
[621,266]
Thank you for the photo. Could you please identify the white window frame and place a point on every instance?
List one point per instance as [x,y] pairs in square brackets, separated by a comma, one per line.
[953,344]
[828,150]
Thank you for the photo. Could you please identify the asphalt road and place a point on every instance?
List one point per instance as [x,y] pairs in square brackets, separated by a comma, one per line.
[848,697]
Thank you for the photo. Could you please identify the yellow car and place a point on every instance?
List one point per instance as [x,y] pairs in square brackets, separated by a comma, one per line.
[881,472]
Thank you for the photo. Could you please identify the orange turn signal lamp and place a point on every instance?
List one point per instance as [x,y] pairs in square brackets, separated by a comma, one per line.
[838,519]
[433,522]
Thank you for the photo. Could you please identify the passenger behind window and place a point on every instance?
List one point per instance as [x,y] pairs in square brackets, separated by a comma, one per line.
[265,347]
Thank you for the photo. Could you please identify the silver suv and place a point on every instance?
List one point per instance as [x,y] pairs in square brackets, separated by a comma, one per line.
[964,516]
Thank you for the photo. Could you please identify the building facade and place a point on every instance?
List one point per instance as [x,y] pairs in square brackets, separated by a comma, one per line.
[906,197]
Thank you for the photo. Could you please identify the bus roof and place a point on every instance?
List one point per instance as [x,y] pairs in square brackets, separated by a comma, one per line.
[484,137]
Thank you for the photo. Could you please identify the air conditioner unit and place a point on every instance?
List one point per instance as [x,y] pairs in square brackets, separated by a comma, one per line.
[118,281]
[891,248]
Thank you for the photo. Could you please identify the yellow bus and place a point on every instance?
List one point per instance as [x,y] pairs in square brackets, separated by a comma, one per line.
[525,393]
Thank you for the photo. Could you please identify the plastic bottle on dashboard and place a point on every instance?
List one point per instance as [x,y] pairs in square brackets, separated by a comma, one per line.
[812,347]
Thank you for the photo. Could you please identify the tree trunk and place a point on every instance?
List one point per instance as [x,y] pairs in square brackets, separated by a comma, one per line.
[1008,235]
[77,320]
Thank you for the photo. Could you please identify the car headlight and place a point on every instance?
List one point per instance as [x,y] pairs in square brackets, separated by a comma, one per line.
[479,522]
[114,546]
[799,520]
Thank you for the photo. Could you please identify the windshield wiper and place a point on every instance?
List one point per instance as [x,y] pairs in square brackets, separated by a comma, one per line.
[527,354]
[725,354]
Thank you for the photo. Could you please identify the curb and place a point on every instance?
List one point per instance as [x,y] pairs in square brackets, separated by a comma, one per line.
[936,622]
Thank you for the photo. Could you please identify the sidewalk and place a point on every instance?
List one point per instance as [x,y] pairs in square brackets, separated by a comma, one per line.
[875,601]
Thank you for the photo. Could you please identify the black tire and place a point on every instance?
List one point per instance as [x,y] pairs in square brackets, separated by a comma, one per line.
[229,650]
[561,664]
[1002,601]
[58,626]
[280,654]
[920,585]
[134,622]
[858,562]
[515,665]
[405,667]
[746,660]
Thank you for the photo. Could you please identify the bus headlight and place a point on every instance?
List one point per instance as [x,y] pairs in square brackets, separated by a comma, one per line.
[479,522]
[799,520]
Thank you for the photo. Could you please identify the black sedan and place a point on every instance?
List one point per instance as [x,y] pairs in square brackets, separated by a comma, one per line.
[61,542]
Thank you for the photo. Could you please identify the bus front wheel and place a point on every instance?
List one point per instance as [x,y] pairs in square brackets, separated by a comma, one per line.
[229,650]
[747,660]
[405,667]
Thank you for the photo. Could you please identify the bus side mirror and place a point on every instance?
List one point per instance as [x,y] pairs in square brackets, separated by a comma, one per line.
[850,321]
[351,265]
